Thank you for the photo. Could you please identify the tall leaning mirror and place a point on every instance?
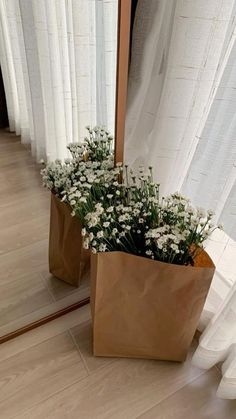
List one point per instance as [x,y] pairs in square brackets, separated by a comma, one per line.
[58,76]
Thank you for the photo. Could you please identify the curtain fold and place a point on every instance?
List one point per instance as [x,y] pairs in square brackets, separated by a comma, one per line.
[205,183]
[218,343]
[52,53]
[181,120]
[30,60]
[9,76]
[177,53]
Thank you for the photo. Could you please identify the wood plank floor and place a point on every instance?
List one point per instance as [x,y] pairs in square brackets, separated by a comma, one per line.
[50,373]
[27,291]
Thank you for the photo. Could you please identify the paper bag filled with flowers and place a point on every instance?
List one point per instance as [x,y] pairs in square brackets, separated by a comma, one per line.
[150,275]
[70,181]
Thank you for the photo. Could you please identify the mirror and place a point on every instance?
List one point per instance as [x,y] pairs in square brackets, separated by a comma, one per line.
[58,65]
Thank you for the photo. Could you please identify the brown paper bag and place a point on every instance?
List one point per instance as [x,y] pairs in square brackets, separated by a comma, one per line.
[142,308]
[67,258]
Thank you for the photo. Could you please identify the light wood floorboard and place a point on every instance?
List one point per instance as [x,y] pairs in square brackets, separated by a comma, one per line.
[100,388]
[195,401]
[26,233]
[24,261]
[38,372]
[82,335]
[40,334]
[122,389]
[16,214]
[60,289]
[21,297]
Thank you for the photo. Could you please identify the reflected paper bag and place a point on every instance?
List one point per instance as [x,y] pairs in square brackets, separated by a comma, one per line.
[67,258]
[142,308]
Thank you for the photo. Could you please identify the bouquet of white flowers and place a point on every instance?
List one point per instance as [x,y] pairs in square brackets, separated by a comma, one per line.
[129,216]
[94,153]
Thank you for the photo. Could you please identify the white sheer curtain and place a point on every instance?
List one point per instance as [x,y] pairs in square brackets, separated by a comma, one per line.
[181,120]
[58,60]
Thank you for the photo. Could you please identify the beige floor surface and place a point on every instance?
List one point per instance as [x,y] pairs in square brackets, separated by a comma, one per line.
[50,373]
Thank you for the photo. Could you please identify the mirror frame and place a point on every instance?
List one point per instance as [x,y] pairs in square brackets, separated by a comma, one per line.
[122,66]
[123,40]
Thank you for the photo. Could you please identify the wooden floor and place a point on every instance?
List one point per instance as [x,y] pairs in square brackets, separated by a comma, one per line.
[50,373]
[27,291]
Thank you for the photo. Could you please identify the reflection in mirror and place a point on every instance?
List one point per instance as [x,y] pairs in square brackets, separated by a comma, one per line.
[58,64]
